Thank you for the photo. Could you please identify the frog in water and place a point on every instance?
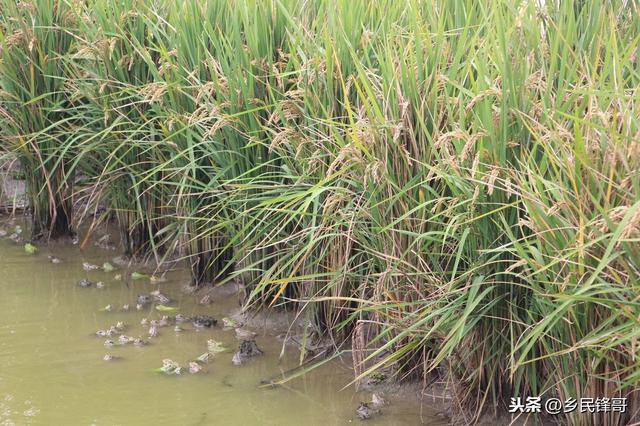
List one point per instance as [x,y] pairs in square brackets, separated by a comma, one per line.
[143,299]
[84,283]
[204,321]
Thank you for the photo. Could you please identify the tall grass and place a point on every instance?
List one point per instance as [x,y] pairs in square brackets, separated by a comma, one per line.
[451,188]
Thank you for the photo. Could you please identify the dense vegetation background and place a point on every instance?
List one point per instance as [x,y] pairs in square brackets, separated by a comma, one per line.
[449,186]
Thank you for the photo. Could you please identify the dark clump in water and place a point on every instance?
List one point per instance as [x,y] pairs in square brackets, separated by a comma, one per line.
[248,349]
[204,321]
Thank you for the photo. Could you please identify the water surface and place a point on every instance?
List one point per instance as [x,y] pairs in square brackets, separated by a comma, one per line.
[52,371]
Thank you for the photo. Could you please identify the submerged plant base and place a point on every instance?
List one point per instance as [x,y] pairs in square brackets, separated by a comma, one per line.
[210,261]
[52,225]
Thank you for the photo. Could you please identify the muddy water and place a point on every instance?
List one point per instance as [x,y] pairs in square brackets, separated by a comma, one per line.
[52,370]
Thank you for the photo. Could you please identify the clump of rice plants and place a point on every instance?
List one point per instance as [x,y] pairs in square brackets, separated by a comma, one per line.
[35,38]
[117,68]
[213,118]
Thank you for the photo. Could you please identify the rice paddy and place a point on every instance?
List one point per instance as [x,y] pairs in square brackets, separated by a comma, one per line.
[448,190]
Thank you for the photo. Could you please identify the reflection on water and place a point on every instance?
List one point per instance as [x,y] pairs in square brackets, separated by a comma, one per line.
[52,370]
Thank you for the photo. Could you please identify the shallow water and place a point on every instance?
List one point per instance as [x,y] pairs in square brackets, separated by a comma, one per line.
[52,371]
